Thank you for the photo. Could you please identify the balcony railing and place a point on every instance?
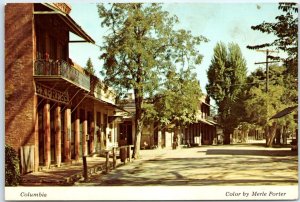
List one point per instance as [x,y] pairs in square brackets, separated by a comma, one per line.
[61,68]
[104,94]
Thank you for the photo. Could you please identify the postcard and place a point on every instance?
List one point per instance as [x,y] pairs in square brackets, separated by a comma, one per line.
[151,101]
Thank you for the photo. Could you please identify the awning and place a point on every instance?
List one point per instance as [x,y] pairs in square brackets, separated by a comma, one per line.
[284,112]
[113,118]
[107,103]
[72,25]
[205,121]
[214,123]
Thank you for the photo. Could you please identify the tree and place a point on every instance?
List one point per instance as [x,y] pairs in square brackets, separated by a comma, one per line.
[226,77]
[177,102]
[12,171]
[286,30]
[261,105]
[140,48]
[90,67]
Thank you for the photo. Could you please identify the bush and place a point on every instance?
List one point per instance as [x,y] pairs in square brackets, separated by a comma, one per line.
[12,171]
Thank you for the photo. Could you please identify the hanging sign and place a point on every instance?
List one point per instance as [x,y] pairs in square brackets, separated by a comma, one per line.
[52,94]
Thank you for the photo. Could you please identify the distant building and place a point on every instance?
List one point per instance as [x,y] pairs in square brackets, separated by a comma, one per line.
[202,132]
[127,125]
[54,111]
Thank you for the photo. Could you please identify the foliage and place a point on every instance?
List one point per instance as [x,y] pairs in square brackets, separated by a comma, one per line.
[140,48]
[90,67]
[226,77]
[261,105]
[178,101]
[12,172]
[285,28]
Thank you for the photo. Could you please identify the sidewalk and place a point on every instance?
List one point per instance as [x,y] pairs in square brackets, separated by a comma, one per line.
[69,174]
[65,175]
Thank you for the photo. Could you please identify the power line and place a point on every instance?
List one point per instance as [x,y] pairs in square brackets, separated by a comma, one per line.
[267,65]
[252,83]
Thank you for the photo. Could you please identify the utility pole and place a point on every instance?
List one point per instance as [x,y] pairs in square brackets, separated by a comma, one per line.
[267,65]
[267,84]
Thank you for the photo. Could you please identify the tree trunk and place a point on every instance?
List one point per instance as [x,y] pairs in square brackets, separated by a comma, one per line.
[278,135]
[271,134]
[267,135]
[138,123]
[284,135]
[227,133]
[175,138]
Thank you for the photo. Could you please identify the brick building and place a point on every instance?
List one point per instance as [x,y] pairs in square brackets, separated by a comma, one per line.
[55,112]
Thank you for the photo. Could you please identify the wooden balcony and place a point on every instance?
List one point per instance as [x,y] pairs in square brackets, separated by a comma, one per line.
[60,69]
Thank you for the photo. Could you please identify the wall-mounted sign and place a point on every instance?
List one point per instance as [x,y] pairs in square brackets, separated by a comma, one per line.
[63,7]
[52,94]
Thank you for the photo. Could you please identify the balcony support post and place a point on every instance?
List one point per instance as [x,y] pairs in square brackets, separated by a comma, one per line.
[84,136]
[47,145]
[77,134]
[67,135]
[57,126]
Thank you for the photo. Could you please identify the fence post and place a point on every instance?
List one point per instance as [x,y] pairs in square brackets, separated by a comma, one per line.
[114,158]
[85,175]
[107,160]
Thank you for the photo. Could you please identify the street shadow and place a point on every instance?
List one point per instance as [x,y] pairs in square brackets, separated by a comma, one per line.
[192,182]
[251,152]
[206,171]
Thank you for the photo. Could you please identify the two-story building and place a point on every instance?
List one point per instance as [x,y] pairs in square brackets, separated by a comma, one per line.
[55,112]
[204,130]
[201,132]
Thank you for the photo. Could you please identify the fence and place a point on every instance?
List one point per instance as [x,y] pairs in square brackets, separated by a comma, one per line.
[124,153]
[61,68]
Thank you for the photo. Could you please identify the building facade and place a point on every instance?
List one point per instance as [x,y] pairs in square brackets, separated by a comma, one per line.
[55,112]
[201,132]
[204,130]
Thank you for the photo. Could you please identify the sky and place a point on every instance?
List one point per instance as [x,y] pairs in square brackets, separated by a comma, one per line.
[226,22]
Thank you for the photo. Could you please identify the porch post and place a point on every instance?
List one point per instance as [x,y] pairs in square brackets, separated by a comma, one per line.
[67,129]
[77,134]
[36,134]
[84,128]
[47,146]
[57,126]
[92,133]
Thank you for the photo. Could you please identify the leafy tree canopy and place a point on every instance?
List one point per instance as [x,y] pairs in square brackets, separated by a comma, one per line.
[177,102]
[285,28]
[260,105]
[140,48]
[226,77]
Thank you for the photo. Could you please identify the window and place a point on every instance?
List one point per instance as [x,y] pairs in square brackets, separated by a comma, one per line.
[40,44]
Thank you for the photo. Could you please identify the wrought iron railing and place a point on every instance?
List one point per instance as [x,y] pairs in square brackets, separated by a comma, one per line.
[101,93]
[61,68]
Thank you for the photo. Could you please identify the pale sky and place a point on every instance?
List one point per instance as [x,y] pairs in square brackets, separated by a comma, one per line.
[226,22]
